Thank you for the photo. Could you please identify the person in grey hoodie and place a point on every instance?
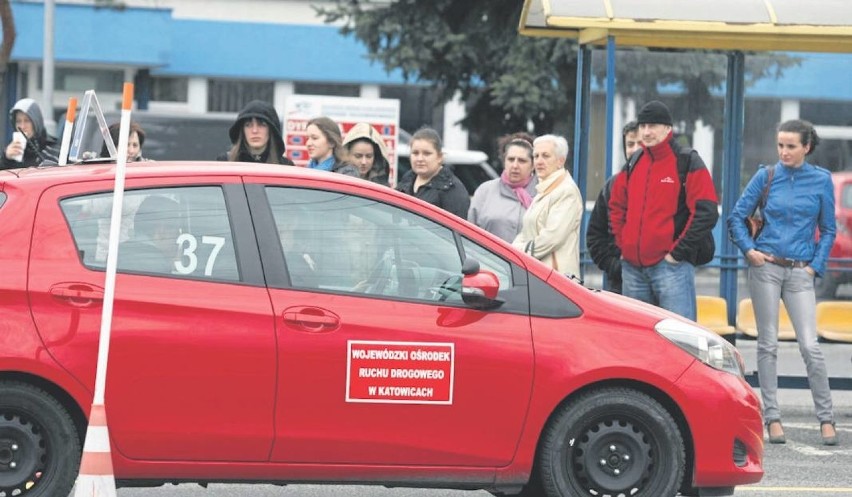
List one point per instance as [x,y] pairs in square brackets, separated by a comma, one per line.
[40,147]
[498,205]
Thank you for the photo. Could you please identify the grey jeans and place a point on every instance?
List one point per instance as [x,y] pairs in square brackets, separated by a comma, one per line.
[768,284]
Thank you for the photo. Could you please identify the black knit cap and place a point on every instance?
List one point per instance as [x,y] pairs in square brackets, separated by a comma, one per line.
[654,112]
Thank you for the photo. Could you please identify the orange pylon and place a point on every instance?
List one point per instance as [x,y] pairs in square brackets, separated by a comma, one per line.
[96,478]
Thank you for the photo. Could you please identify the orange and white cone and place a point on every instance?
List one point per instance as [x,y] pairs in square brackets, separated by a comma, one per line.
[96,478]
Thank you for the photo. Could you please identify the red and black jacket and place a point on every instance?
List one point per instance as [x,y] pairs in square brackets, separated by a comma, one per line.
[649,216]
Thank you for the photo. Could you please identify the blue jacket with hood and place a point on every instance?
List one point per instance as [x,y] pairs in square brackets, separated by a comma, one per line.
[800,200]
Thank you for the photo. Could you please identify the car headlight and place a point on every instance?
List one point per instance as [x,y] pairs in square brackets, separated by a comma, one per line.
[707,347]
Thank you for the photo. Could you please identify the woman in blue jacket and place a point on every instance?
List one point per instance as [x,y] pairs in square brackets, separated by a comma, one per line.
[783,261]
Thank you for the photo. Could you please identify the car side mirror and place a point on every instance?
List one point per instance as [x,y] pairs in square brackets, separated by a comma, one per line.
[479,288]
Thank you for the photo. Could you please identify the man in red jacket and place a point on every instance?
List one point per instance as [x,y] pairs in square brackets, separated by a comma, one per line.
[656,227]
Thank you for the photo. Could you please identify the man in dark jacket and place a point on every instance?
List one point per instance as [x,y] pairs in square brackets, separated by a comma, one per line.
[657,229]
[26,118]
[599,238]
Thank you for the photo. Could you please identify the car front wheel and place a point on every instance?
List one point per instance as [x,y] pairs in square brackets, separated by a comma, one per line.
[612,442]
[39,443]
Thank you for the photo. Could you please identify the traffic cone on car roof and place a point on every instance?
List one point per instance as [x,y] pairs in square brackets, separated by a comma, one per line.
[96,478]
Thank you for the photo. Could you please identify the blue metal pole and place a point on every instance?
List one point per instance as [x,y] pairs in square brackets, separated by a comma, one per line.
[610,103]
[733,146]
[581,131]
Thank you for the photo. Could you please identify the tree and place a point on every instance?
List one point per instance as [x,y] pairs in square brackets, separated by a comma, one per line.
[513,82]
[470,47]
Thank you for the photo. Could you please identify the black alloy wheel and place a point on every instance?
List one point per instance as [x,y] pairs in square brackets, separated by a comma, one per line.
[613,442]
[39,444]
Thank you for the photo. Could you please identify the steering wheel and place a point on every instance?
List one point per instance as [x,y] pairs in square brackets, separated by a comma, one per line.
[450,286]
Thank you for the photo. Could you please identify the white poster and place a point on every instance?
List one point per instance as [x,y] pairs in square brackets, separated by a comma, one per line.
[381,113]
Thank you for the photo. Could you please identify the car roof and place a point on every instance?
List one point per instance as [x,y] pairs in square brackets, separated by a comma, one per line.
[183,169]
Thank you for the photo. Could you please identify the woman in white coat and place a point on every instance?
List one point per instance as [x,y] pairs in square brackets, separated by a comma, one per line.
[551,229]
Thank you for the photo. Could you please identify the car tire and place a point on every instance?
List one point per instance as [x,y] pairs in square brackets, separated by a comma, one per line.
[612,441]
[39,443]
[825,287]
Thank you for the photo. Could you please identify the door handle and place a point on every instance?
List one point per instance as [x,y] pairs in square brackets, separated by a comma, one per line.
[311,318]
[78,294]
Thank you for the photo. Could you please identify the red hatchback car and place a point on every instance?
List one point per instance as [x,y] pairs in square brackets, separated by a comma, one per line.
[839,271]
[276,324]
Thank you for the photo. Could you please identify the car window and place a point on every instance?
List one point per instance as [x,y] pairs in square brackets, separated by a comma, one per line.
[490,262]
[338,242]
[182,232]
[846,197]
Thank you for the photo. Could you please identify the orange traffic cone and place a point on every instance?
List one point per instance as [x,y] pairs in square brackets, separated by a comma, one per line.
[96,478]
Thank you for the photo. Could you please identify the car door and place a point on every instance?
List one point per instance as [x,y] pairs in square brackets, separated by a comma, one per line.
[192,366]
[380,361]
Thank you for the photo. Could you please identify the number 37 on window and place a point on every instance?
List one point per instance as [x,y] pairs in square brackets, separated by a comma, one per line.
[188,248]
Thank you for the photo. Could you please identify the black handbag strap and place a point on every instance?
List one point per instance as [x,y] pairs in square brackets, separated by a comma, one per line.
[761,204]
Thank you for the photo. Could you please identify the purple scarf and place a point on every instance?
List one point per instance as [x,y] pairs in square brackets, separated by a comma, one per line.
[520,188]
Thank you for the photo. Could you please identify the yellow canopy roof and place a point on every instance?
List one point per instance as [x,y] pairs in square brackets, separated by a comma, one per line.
[750,25]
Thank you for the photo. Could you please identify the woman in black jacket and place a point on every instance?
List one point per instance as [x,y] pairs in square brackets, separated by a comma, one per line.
[256,136]
[429,180]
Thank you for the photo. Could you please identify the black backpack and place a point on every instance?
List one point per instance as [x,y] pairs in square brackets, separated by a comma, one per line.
[706,250]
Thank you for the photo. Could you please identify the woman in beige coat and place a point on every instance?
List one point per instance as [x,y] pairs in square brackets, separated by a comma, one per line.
[551,229]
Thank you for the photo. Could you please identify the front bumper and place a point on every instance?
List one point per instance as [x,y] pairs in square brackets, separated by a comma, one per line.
[724,418]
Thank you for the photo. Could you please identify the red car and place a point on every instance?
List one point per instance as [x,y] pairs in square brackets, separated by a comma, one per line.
[840,271]
[276,324]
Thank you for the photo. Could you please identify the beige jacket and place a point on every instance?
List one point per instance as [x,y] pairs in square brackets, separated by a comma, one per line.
[552,223]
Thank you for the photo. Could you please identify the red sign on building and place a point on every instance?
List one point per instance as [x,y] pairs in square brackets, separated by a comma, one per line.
[400,372]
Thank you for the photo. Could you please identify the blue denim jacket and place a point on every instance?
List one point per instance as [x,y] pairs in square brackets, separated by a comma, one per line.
[800,200]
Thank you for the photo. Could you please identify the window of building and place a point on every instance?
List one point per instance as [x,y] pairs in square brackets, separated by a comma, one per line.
[225,95]
[833,113]
[334,90]
[78,79]
[418,107]
[165,89]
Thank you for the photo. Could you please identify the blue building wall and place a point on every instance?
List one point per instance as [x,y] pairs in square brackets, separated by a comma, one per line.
[153,39]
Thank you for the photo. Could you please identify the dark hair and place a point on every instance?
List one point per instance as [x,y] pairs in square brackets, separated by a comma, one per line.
[807,133]
[115,129]
[240,145]
[630,127]
[429,135]
[520,139]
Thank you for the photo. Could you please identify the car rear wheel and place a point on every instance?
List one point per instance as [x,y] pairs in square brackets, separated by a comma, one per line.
[612,442]
[39,443]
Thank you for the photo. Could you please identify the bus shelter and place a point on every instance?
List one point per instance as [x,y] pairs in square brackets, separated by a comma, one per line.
[733,27]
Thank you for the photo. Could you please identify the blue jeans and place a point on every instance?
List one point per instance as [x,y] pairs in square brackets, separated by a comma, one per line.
[670,286]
